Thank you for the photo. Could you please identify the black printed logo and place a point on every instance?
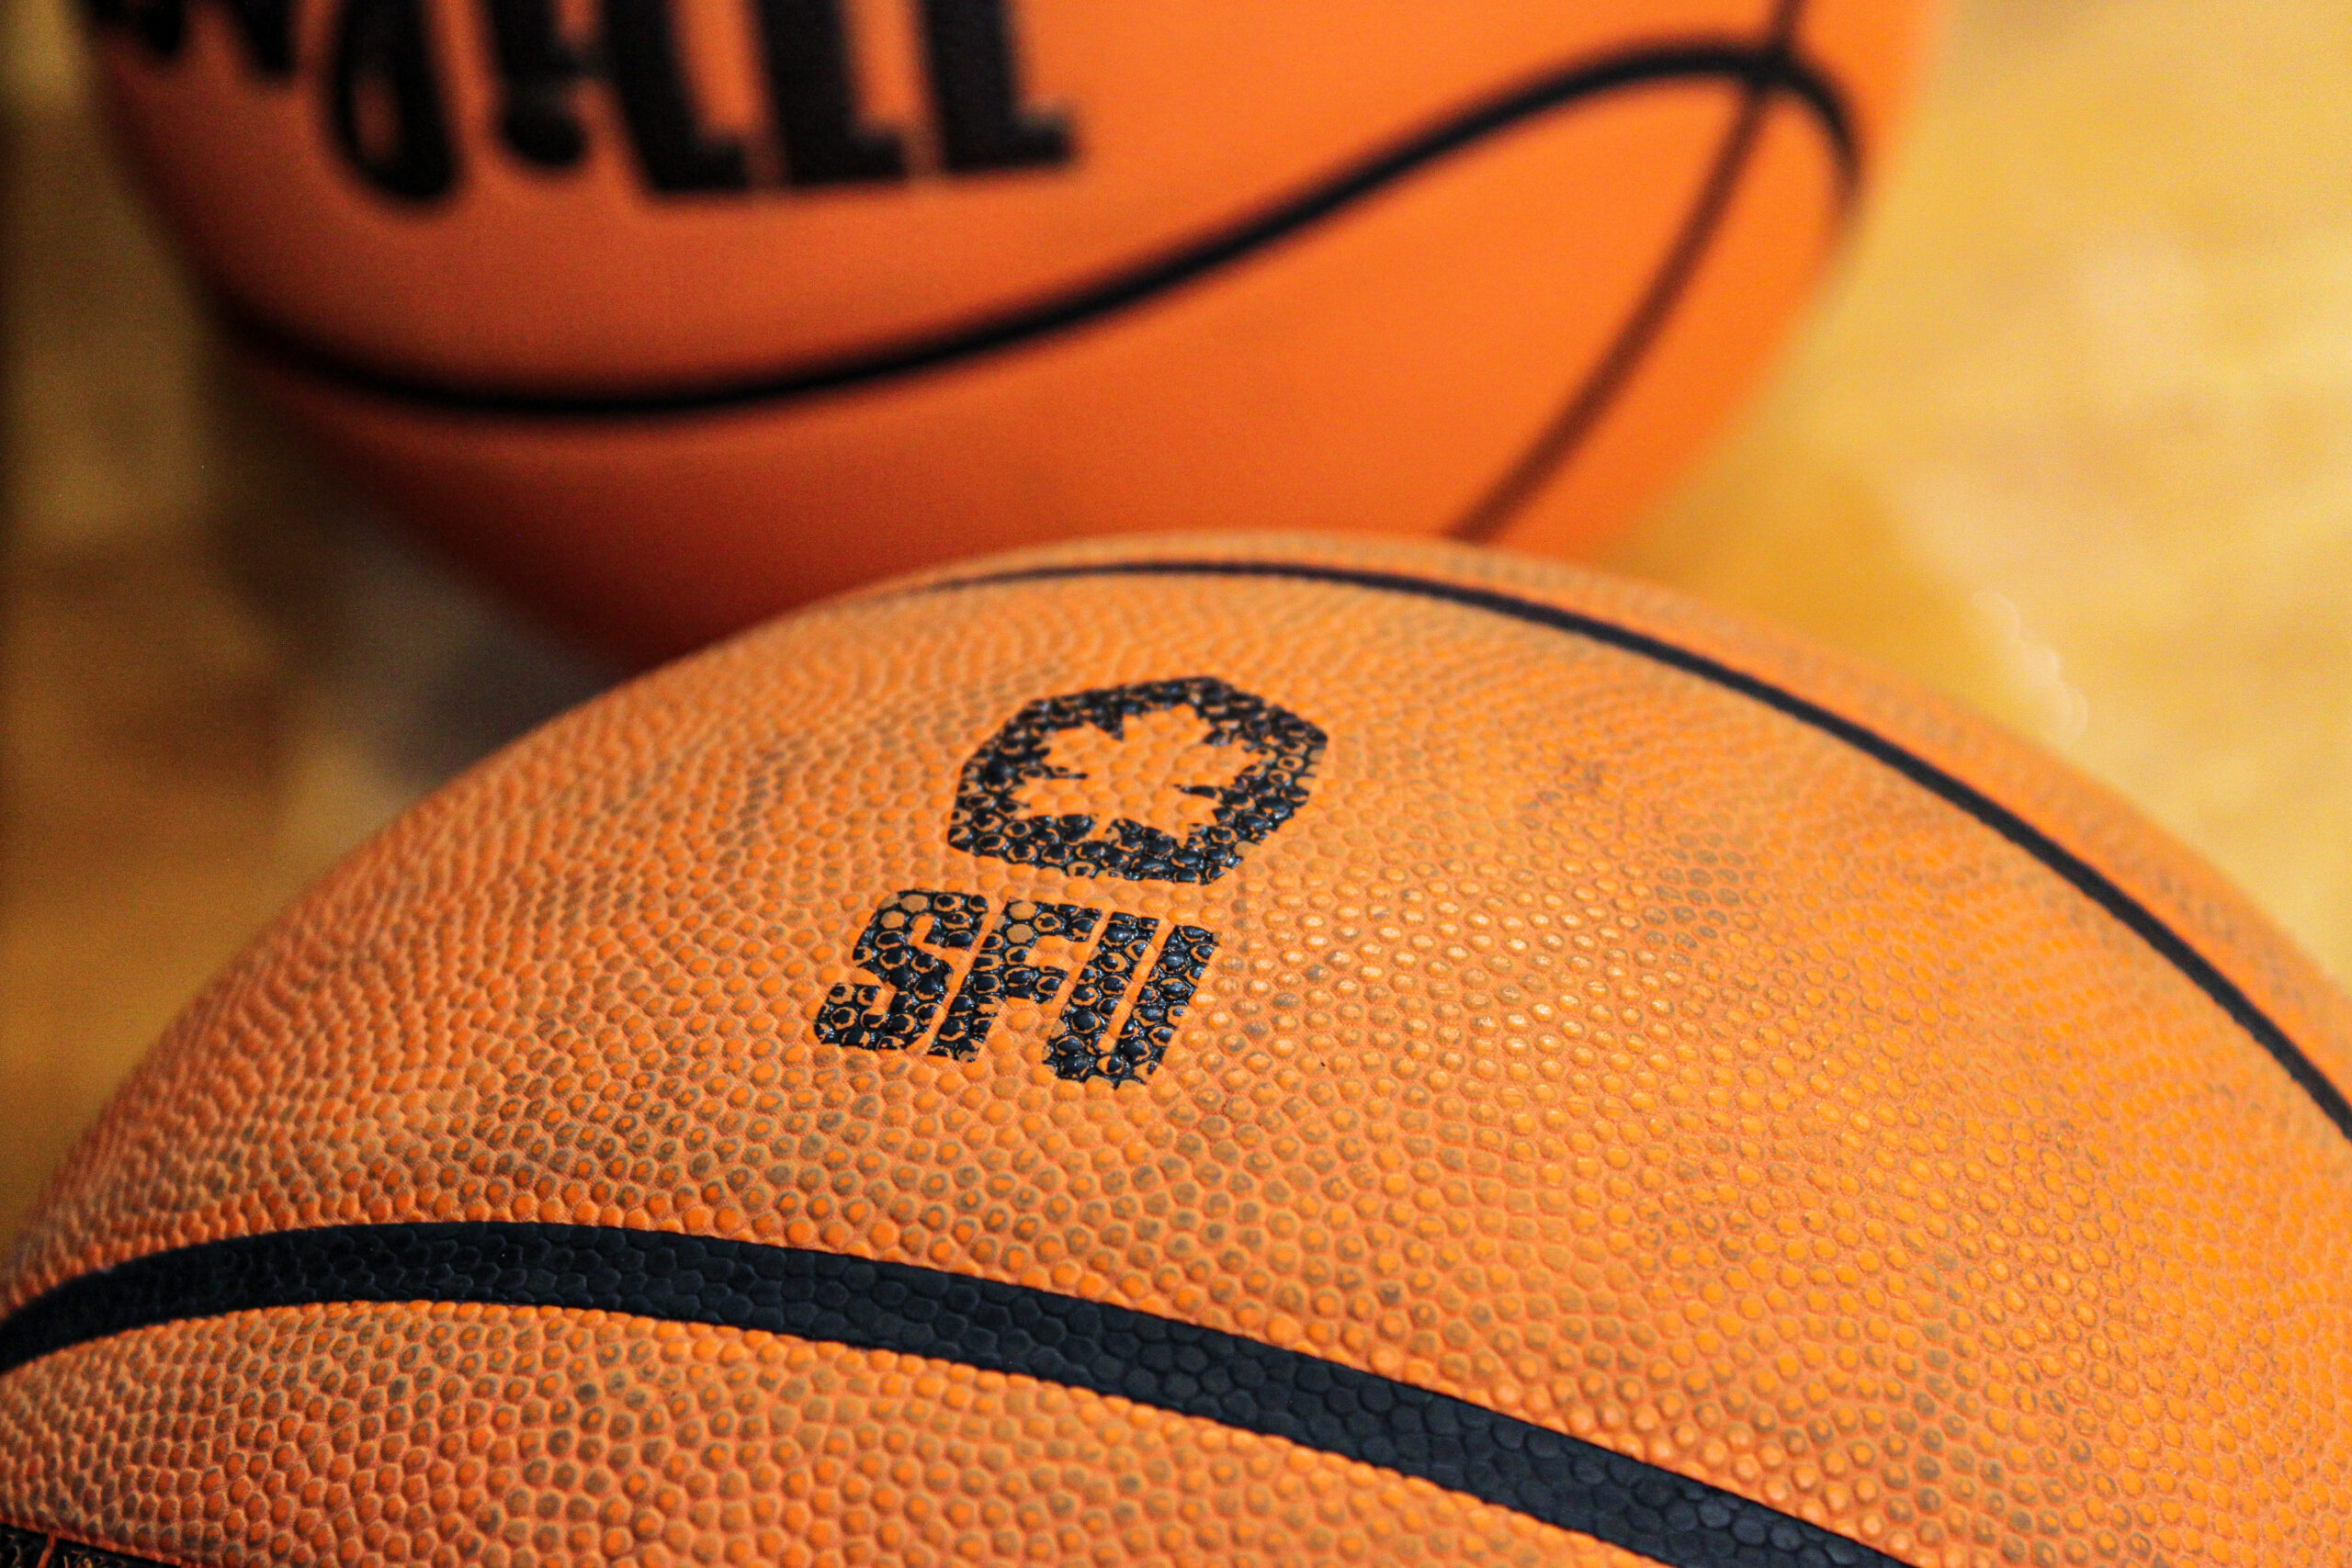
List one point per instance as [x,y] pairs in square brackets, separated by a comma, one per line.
[1170,781]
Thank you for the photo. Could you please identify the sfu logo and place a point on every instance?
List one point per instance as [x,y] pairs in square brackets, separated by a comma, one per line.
[386,106]
[1169,780]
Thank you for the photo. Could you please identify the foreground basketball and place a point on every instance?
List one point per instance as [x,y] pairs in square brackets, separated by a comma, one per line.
[676,314]
[1206,1052]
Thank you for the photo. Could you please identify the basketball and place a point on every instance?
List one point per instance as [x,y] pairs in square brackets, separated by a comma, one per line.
[1222,1050]
[672,316]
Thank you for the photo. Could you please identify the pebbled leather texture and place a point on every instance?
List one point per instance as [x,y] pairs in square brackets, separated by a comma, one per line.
[1595,1045]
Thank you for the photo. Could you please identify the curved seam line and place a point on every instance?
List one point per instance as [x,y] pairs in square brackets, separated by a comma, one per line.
[2085,878]
[1765,70]
[1564,433]
[50,1540]
[1165,1363]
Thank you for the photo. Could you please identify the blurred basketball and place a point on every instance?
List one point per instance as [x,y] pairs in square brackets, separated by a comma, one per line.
[1218,1050]
[676,314]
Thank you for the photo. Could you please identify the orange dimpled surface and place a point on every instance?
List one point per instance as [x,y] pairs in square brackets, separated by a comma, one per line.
[1196,1051]
[672,313]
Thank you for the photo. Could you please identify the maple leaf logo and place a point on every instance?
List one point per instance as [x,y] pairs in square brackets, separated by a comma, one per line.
[1164,781]
[1163,770]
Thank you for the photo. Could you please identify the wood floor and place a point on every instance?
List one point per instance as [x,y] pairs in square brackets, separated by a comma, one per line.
[2071,439]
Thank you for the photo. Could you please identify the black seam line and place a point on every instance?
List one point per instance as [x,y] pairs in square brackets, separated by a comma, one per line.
[37,1548]
[2086,879]
[1564,433]
[1765,69]
[984,1324]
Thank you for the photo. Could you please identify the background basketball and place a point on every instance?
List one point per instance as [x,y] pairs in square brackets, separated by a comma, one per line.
[1223,1051]
[675,316]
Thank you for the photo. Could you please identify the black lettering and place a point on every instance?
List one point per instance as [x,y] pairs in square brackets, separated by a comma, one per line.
[649,79]
[917,979]
[1075,1050]
[264,28]
[999,973]
[976,92]
[813,87]
[537,70]
[1160,1005]
[384,100]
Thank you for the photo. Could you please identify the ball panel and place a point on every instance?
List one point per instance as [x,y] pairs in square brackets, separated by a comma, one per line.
[1620,432]
[499,1435]
[1595,1045]
[545,306]
[2086,818]
[1399,373]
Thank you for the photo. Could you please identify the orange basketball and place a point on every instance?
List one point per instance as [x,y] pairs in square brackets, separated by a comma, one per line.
[678,315]
[1217,1051]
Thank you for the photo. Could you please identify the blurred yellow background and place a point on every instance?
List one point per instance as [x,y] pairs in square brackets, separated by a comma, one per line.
[2071,439]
